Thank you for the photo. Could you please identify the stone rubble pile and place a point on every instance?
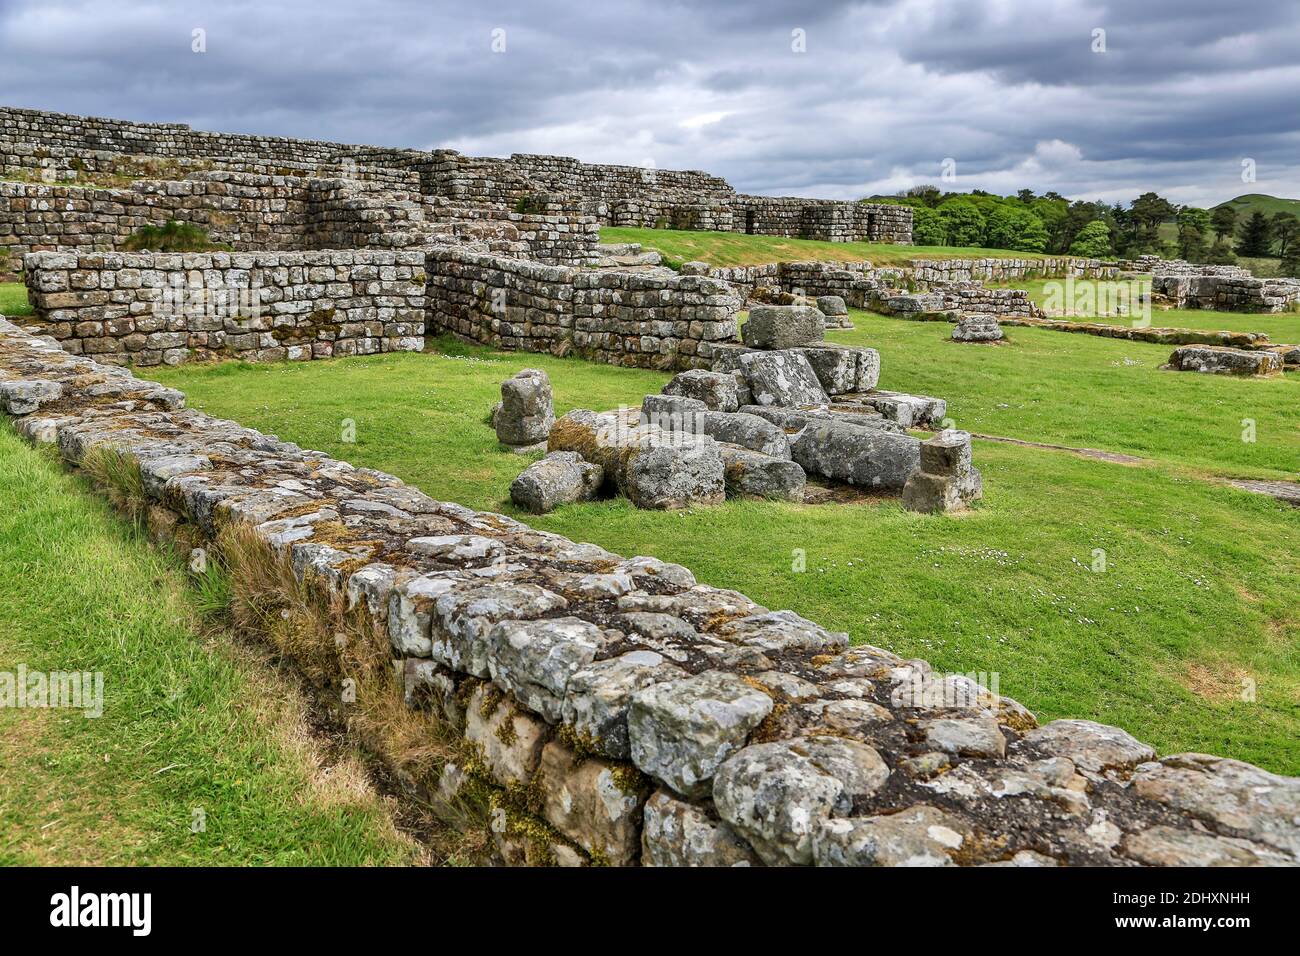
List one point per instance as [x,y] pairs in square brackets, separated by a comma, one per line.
[619,712]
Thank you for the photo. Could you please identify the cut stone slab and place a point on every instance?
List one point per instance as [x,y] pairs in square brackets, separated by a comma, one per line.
[861,456]
[977,327]
[752,474]
[681,731]
[783,326]
[676,476]
[747,431]
[836,368]
[1221,360]
[782,378]
[907,410]
[932,494]
[674,413]
[526,411]
[562,477]
[717,390]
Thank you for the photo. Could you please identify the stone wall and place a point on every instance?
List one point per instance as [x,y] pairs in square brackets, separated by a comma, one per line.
[1226,293]
[147,309]
[636,319]
[598,709]
[1010,269]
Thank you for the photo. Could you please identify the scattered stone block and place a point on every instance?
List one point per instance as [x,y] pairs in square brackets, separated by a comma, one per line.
[977,327]
[907,410]
[562,477]
[717,390]
[861,456]
[747,431]
[1220,360]
[676,475]
[783,327]
[526,412]
[835,311]
[753,474]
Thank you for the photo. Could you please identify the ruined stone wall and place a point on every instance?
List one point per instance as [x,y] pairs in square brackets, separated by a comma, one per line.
[148,309]
[61,145]
[1227,292]
[822,219]
[623,318]
[236,209]
[615,711]
[924,271]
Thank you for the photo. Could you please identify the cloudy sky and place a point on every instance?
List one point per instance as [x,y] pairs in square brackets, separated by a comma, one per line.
[832,99]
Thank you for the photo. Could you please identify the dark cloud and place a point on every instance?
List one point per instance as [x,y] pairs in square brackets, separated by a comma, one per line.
[1009,89]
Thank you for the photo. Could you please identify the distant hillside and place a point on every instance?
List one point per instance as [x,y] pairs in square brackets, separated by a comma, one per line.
[1258,202]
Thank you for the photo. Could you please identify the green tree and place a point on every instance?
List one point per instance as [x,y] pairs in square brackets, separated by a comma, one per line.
[1256,237]
[963,221]
[1286,229]
[1221,254]
[1224,222]
[928,228]
[1010,227]
[1092,241]
[1290,265]
[1193,225]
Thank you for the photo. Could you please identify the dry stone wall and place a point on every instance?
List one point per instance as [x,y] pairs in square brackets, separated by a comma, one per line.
[611,710]
[149,309]
[639,319]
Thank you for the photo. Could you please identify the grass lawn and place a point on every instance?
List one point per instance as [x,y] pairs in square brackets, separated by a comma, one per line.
[1195,604]
[737,249]
[13,299]
[1280,327]
[191,721]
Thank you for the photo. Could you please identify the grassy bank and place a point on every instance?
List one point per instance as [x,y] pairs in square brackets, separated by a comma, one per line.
[203,754]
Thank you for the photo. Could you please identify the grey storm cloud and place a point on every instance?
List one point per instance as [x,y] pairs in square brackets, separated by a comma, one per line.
[1014,92]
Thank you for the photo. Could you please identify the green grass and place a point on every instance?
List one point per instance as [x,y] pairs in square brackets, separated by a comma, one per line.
[1201,581]
[1279,327]
[737,249]
[1251,203]
[13,299]
[190,720]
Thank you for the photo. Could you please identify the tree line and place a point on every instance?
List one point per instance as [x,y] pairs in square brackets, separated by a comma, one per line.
[1050,223]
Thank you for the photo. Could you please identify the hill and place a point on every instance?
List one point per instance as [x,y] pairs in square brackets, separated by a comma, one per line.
[1258,202]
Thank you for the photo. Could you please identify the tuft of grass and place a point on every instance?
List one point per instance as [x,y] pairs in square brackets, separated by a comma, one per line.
[13,299]
[172,236]
[204,753]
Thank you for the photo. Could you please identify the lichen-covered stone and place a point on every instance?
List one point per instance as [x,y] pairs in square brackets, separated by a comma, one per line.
[534,660]
[594,803]
[677,833]
[681,731]
[526,411]
[562,477]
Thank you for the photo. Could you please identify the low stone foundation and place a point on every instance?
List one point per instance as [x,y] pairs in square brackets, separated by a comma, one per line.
[147,309]
[597,709]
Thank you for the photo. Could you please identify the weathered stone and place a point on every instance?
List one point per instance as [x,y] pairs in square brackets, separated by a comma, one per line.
[777,794]
[749,473]
[782,631]
[1167,846]
[918,836]
[977,327]
[717,390]
[676,476]
[1090,746]
[594,803]
[782,378]
[836,368]
[598,696]
[562,477]
[783,326]
[909,411]
[1221,360]
[1235,798]
[674,413]
[509,741]
[681,731]
[747,431]
[677,833]
[527,410]
[534,660]
[931,494]
[865,457]
[463,618]
[968,737]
